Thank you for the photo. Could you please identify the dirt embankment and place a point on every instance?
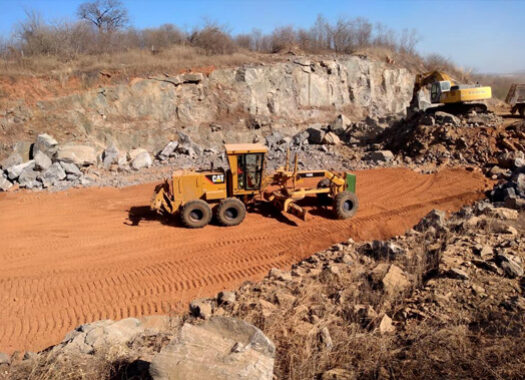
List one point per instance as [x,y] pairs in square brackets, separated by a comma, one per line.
[75,257]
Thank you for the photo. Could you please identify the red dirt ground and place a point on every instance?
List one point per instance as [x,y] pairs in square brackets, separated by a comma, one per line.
[75,257]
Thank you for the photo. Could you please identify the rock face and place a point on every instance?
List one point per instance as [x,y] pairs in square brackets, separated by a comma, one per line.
[221,348]
[283,94]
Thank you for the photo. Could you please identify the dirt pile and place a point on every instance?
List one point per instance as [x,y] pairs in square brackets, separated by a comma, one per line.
[444,300]
[474,139]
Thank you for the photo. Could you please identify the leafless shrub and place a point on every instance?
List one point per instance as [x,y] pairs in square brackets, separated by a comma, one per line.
[213,39]
[282,38]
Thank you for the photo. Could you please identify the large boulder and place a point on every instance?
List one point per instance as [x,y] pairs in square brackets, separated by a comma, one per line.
[220,348]
[42,161]
[331,139]
[14,171]
[14,159]
[52,175]
[110,156]
[340,124]
[512,265]
[28,178]
[443,117]
[392,278]
[45,144]
[4,183]
[143,160]
[315,134]
[168,150]
[80,155]
[380,156]
[71,169]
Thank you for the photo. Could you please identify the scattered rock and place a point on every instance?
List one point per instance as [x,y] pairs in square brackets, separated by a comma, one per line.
[331,139]
[221,348]
[338,374]
[4,358]
[435,218]
[326,339]
[444,117]
[512,265]
[458,273]
[201,308]
[395,280]
[280,274]
[386,326]
[380,156]
[226,298]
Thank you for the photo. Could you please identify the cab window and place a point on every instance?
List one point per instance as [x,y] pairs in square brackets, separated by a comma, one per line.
[250,171]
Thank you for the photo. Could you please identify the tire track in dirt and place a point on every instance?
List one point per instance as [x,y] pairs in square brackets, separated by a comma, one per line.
[74,257]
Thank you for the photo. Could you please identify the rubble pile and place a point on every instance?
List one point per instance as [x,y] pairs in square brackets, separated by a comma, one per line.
[440,138]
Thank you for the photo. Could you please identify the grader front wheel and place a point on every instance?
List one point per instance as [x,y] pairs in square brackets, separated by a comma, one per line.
[196,214]
[230,212]
[345,205]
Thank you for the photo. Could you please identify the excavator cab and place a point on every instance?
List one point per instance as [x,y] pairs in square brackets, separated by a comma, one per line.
[246,168]
[437,89]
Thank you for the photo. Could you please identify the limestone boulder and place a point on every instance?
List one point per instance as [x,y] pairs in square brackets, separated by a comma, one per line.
[13,160]
[110,156]
[221,348]
[5,184]
[143,160]
[168,150]
[15,171]
[331,139]
[42,161]
[80,155]
[45,144]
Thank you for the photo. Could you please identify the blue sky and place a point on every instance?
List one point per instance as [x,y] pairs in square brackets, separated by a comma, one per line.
[488,36]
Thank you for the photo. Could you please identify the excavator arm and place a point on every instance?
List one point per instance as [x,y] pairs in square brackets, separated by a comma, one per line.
[427,78]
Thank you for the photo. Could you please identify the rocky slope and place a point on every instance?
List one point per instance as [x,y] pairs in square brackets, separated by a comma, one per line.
[229,104]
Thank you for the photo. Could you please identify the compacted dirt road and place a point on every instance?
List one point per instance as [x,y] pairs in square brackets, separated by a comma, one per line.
[87,254]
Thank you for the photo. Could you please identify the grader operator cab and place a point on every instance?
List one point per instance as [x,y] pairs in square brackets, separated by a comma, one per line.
[193,195]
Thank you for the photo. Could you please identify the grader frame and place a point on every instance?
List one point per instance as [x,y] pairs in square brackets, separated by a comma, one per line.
[193,194]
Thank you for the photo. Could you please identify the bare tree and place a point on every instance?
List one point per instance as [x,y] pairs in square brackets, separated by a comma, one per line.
[106,15]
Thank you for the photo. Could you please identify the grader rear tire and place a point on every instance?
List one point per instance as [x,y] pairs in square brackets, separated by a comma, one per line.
[230,212]
[345,205]
[196,214]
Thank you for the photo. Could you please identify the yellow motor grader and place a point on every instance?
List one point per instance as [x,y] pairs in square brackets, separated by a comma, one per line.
[197,195]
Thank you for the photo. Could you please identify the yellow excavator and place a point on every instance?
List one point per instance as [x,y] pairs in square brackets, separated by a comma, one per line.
[452,96]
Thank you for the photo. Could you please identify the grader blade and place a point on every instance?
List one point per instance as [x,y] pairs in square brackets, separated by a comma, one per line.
[298,211]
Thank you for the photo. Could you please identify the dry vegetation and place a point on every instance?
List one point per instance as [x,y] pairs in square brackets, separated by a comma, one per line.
[38,47]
